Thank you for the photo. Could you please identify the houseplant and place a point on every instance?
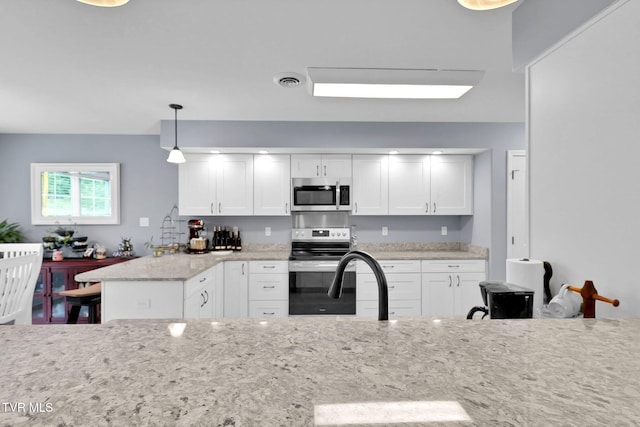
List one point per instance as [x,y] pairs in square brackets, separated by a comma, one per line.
[10,233]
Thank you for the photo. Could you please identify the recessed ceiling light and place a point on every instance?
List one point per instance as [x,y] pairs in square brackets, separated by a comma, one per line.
[485,4]
[437,152]
[105,3]
[393,152]
[391,83]
[263,152]
[214,152]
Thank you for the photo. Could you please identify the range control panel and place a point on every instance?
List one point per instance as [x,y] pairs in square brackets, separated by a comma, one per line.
[320,234]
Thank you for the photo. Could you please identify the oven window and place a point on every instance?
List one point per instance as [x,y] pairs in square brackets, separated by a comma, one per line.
[314,195]
[308,293]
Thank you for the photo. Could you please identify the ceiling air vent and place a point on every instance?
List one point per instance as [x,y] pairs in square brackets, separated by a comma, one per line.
[289,80]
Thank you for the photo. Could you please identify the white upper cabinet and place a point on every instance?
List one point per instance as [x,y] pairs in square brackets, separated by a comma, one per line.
[271,184]
[370,185]
[197,186]
[216,185]
[452,185]
[431,185]
[409,184]
[235,184]
[320,165]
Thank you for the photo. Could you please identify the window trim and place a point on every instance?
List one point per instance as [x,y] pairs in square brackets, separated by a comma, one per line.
[36,193]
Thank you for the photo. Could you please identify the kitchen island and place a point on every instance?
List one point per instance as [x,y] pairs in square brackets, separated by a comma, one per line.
[183,267]
[252,372]
[204,285]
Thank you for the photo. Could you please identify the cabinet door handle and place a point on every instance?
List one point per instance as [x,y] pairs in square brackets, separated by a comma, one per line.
[453,266]
[434,207]
[207,295]
[325,170]
[211,208]
[203,300]
[450,281]
[317,170]
[268,314]
[219,207]
[356,207]
[426,207]
[269,287]
[269,266]
[392,287]
[243,268]
[203,279]
[388,266]
[286,208]
[458,276]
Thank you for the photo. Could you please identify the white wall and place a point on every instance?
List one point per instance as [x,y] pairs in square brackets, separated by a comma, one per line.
[584,145]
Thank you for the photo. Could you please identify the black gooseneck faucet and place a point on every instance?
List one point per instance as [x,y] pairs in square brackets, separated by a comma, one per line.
[335,290]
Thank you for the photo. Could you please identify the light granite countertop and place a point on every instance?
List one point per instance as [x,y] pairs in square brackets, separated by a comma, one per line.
[180,267]
[283,372]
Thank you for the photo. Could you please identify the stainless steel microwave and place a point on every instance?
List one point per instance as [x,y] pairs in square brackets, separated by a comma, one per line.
[320,194]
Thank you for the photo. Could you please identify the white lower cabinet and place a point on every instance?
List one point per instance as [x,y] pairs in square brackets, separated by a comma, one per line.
[451,287]
[236,289]
[203,295]
[268,289]
[142,300]
[403,282]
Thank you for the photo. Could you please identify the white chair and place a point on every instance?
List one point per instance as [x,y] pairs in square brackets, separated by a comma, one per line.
[10,250]
[19,269]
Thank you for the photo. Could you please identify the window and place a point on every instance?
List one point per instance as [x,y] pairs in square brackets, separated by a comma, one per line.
[75,193]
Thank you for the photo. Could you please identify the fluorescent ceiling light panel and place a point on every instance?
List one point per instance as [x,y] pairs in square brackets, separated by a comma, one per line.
[391,83]
[389,413]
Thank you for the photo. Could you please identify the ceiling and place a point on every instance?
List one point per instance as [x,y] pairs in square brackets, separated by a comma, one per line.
[72,68]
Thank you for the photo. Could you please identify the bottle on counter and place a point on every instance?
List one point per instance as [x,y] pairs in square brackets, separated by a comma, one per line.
[238,242]
[218,239]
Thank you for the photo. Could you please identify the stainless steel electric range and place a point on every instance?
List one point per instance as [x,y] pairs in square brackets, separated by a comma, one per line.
[315,253]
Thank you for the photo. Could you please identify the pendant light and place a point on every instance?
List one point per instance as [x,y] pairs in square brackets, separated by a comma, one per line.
[105,3]
[485,4]
[176,156]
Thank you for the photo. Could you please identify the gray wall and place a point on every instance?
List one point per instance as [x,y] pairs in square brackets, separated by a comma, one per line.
[149,183]
[538,24]
[584,151]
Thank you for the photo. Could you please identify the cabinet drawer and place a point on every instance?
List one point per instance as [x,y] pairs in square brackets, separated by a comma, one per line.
[396,308]
[391,266]
[453,266]
[269,286]
[405,286]
[268,267]
[268,308]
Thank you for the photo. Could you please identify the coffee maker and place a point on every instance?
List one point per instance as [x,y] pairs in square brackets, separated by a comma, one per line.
[197,243]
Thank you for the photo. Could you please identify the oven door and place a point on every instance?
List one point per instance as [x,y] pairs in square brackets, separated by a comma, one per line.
[317,194]
[308,287]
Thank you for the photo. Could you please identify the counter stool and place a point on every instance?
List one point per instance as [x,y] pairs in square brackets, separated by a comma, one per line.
[88,296]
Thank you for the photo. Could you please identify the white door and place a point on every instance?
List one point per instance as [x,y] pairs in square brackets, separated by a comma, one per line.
[437,294]
[517,210]
[452,185]
[467,292]
[272,184]
[236,289]
[197,186]
[336,166]
[305,165]
[235,184]
[370,185]
[409,185]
